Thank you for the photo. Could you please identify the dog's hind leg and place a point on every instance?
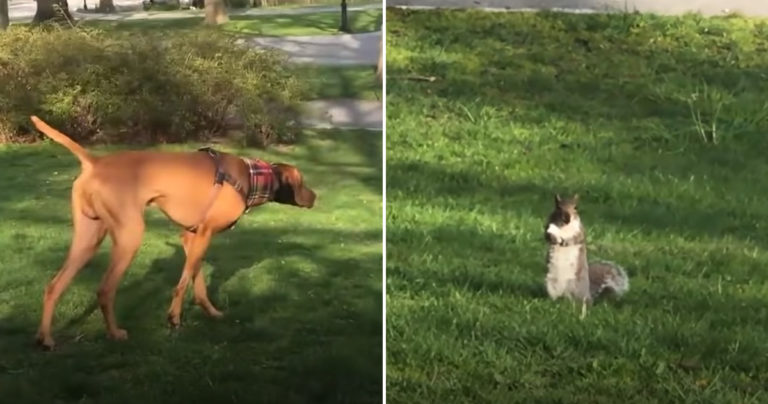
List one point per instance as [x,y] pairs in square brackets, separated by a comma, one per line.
[86,237]
[195,249]
[126,234]
[201,293]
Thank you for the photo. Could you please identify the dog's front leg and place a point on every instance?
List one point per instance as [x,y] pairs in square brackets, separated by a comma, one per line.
[201,294]
[198,280]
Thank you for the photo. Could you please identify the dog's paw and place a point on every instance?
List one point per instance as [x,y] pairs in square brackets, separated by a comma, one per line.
[45,342]
[174,320]
[119,334]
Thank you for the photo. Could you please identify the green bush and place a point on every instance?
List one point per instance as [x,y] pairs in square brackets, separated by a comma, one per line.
[164,87]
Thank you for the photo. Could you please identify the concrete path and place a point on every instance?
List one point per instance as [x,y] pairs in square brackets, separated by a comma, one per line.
[343,113]
[758,8]
[355,49]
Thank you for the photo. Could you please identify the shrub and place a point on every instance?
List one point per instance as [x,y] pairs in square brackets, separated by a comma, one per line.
[162,87]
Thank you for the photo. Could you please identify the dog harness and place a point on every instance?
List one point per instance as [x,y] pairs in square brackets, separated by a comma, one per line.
[261,184]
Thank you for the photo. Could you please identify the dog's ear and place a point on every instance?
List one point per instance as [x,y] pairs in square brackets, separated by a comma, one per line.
[292,190]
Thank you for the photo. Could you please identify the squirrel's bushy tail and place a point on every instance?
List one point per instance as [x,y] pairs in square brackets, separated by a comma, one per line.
[605,275]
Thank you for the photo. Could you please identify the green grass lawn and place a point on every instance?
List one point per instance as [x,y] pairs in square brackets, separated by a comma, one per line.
[322,23]
[340,82]
[301,290]
[659,123]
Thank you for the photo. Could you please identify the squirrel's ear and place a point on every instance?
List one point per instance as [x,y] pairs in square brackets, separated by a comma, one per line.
[575,199]
[558,200]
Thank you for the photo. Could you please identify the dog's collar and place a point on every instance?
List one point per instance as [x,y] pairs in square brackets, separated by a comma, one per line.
[262,181]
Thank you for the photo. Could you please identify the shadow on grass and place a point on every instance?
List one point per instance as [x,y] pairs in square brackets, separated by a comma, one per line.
[365,22]
[327,82]
[602,202]
[511,260]
[25,171]
[305,336]
[367,146]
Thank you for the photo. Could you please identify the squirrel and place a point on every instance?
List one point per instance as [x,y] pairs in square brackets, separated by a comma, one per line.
[569,273]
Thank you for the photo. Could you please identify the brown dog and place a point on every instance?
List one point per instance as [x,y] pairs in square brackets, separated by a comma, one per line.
[205,192]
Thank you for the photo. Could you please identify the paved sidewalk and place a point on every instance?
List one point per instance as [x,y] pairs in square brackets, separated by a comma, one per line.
[339,50]
[354,49]
[343,113]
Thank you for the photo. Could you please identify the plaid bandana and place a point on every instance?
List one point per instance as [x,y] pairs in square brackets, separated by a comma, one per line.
[262,180]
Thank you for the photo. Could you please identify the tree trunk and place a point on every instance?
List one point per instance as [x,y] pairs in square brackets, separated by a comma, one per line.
[215,12]
[106,6]
[4,20]
[344,20]
[49,9]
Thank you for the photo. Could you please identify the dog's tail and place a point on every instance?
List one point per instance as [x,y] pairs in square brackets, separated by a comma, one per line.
[86,160]
[605,275]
